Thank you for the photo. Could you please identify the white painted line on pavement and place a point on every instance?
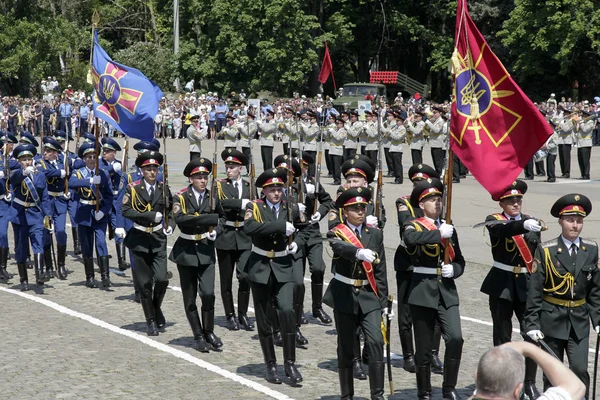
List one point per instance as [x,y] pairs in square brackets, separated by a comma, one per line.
[152,343]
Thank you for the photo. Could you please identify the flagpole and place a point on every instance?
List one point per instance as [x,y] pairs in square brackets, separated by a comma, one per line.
[95,21]
[449,172]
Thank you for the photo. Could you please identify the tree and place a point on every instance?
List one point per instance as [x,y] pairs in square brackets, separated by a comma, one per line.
[157,63]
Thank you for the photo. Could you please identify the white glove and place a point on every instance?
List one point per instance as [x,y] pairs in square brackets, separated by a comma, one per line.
[532,225]
[212,236]
[292,248]
[51,229]
[63,173]
[117,167]
[95,180]
[446,230]
[301,207]
[67,196]
[244,203]
[315,218]
[447,271]
[310,188]
[365,255]
[372,220]
[535,334]
[1,174]
[158,217]
[98,215]
[597,329]
[29,171]
[389,315]
[120,232]
[289,229]
[168,231]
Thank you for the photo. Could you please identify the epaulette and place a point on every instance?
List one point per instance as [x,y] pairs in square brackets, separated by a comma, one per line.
[259,201]
[589,242]
[182,191]
[222,180]
[550,243]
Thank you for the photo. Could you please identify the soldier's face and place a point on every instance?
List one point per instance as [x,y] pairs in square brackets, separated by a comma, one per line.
[199,182]
[431,206]
[571,225]
[50,155]
[273,194]
[109,155]
[233,171]
[356,181]
[26,161]
[355,214]
[90,160]
[512,206]
[150,173]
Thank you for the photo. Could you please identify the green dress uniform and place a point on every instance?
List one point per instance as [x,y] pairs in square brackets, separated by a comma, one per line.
[147,240]
[354,301]
[433,296]
[564,291]
[270,272]
[194,254]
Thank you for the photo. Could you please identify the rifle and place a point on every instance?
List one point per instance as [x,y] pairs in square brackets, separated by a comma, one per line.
[302,175]
[67,162]
[318,168]
[447,198]
[379,194]
[213,184]
[165,179]
[6,170]
[288,192]
[97,145]
[125,158]
[252,171]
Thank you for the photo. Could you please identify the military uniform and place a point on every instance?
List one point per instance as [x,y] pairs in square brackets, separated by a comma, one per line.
[230,134]
[267,130]
[584,146]
[358,293]
[310,133]
[417,140]
[337,137]
[142,203]
[565,141]
[437,140]
[397,135]
[372,133]
[247,131]
[353,129]
[7,140]
[564,292]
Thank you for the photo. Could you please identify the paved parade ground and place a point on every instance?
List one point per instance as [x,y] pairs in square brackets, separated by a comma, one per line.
[74,342]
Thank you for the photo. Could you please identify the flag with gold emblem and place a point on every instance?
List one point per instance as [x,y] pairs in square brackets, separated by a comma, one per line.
[495,129]
[123,96]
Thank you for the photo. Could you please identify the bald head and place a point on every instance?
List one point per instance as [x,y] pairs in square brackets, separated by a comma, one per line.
[499,372]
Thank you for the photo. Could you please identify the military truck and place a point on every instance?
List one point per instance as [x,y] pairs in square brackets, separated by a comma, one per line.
[354,92]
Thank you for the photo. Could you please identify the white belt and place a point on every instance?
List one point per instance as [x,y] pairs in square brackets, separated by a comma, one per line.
[55,194]
[88,202]
[196,237]
[427,270]
[510,268]
[236,224]
[24,204]
[115,192]
[270,254]
[147,229]
[350,281]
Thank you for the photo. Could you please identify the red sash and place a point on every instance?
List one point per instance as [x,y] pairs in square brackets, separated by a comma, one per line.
[345,233]
[521,245]
[430,226]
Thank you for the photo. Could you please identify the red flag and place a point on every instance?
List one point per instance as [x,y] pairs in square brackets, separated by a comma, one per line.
[326,68]
[495,129]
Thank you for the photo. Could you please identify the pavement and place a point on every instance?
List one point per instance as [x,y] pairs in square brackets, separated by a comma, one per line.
[68,341]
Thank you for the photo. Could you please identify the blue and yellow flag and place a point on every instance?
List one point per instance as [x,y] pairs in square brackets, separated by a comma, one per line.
[123,96]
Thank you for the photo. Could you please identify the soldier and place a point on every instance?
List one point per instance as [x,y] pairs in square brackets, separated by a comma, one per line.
[337,137]
[506,283]
[310,134]
[372,131]
[433,293]
[230,133]
[565,141]
[233,247]
[267,131]
[358,291]
[6,165]
[397,135]
[564,289]
[54,169]
[194,252]
[30,213]
[437,138]
[584,144]
[287,126]
[92,212]
[354,128]
[417,140]
[269,268]
[386,130]
[247,131]
[144,204]
[196,134]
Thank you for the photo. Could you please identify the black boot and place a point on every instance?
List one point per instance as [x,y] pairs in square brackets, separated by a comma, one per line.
[4,275]
[49,263]
[148,308]
[450,378]
[157,300]
[38,264]
[29,262]
[357,370]
[208,321]
[408,351]
[123,264]
[437,367]
[274,316]
[76,244]
[62,255]
[88,266]
[300,339]
[199,342]
[227,298]
[277,338]
[317,305]
[268,349]
[104,271]
[346,383]
[376,380]
[289,358]
[530,391]
[424,382]
[243,300]
[22,268]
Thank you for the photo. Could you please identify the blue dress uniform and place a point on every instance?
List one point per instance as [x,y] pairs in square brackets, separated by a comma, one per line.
[90,224]
[29,213]
[7,140]
[55,178]
[115,171]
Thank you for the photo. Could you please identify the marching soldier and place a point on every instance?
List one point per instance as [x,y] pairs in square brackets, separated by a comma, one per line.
[337,137]
[269,268]
[194,252]
[144,204]
[196,134]
[397,135]
[565,141]
[230,133]
[354,128]
[310,133]
[247,131]
[372,135]
[433,295]
[7,164]
[506,283]
[584,144]
[564,289]
[437,138]
[92,187]
[386,130]
[287,125]
[267,131]
[417,140]
[233,247]
[358,291]
[30,213]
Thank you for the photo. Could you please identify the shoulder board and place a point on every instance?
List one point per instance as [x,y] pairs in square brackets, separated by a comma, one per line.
[589,242]
[550,243]
[406,197]
[222,180]
[185,189]
[259,201]
[136,182]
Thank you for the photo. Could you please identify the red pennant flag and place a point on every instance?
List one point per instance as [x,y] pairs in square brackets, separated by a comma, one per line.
[495,129]
[326,68]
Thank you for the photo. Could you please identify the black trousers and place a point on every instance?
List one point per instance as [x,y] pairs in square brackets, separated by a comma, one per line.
[551,166]
[282,293]
[228,260]
[363,150]
[417,156]
[577,355]
[438,155]
[194,155]
[247,153]
[346,326]
[150,268]
[424,322]
[337,167]
[328,162]
[529,169]
[372,154]
[266,153]
[539,168]
[286,148]
[564,158]
[349,152]
[312,167]
[403,279]
[583,157]
[397,162]
[194,280]
[457,167]
[389,161]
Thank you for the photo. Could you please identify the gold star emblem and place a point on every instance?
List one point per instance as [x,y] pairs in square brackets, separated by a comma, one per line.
[577,197]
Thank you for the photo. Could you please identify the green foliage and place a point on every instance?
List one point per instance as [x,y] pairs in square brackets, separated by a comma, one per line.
[157,63]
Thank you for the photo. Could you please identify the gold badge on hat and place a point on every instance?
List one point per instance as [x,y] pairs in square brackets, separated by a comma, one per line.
[351,161]
[274,169]
[202,160]
[576,197]
[429,180]
[514,183]
[229,150]
[359,190]
[420,166]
